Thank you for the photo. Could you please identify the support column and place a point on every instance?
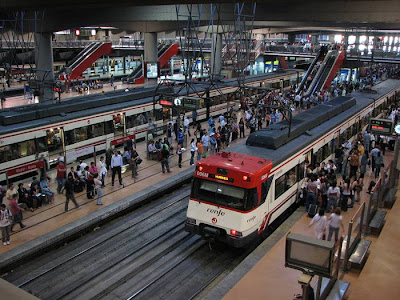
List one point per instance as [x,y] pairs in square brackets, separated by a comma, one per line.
[216,54]
[150,48]
[291,38]
[44,66]
[314,40]
[172,66]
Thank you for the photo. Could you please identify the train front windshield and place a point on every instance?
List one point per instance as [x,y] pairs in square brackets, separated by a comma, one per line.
[223,194]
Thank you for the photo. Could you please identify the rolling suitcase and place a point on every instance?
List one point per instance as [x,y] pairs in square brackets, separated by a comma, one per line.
[312,210]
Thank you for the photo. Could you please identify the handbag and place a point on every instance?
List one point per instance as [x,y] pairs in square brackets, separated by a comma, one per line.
[139,161]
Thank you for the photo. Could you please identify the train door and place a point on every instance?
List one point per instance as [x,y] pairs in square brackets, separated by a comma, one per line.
[119,125]
[335,141]
[55,143]
[308,156]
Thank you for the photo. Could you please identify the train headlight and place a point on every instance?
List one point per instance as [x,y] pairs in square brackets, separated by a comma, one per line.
[191,221]
[246,178]
[236,233]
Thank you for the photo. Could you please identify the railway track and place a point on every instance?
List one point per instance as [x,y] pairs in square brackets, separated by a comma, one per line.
[143,255]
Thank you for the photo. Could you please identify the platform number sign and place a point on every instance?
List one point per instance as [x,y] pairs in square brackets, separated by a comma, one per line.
[381,126]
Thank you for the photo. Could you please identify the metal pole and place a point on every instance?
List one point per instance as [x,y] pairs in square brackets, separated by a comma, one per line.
[393,169]
[7,180]
[346,253]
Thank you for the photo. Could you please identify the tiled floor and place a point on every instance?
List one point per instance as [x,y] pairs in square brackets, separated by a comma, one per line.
[379,279]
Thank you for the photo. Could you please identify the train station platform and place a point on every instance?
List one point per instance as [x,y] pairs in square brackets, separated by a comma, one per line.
[265,276]
[52,216]
[21,100]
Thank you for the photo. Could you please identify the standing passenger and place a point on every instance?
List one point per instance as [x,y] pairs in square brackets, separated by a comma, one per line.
[116,164]
[5,216]
[98,184]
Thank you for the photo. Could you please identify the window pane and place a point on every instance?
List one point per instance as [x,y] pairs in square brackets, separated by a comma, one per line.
[69,137]
[98,129]
[41,144]
[279,186]
[80,134]
[109,127]
[5,154]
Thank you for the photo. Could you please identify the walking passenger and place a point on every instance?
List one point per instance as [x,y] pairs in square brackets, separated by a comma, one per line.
[321,223]
[378,164]
[16,211]
[179,151]
[336,221]
[69,193]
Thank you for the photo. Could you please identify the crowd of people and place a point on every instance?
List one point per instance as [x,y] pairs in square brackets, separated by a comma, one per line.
[336,185]
[332,185]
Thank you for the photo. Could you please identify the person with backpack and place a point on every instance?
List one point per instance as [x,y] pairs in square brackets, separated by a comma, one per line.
[164,159]
[5,225]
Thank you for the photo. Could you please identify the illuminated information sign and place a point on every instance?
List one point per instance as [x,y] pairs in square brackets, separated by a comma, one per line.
[381,126]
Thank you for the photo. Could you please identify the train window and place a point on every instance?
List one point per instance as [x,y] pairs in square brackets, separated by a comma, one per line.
[109,127]
[17,150]
[26,148]
[222,194]
[301,172]
[280,186]
[265,186]
[69,137]
[318,157]
[81,134]
[41,144]
[97,129]
[326,150]
[5,154]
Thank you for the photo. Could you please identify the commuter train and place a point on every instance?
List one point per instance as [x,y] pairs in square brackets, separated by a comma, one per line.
[92,123]
[236,194]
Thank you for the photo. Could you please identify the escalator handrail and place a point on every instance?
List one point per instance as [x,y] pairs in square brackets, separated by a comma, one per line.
[330,70]
[82,53]
[85,55]
[325,74]
[317,77]
[307,74]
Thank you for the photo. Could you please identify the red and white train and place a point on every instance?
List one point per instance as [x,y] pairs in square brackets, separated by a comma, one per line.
[237,194]
[83,125]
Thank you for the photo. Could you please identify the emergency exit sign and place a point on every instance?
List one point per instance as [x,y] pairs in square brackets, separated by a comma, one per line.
[381,126]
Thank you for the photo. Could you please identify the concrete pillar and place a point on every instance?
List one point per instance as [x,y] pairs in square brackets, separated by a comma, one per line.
[216,54]
[150,47]
[314,39]
[357,42]
[291,38]
[172,66]
[44,66]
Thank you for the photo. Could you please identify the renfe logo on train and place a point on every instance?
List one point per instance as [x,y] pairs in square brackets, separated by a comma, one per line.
[216,211]
[202,174]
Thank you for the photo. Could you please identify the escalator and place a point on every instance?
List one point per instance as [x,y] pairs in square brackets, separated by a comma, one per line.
[327,71]
[311,69]
[164,52]
[86,58]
